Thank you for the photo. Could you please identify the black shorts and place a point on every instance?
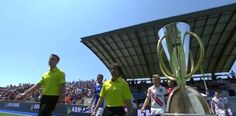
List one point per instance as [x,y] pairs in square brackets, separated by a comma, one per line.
[114,111]
[47,105]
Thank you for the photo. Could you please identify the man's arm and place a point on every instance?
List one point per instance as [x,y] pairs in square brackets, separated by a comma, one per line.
[145,103]
[99,103]
[92,102]
[94,97]
[61,93]
[129,106]
[212,108]
[30,90]
[229,109]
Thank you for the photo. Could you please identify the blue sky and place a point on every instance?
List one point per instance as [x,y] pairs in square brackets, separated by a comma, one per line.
[30,30]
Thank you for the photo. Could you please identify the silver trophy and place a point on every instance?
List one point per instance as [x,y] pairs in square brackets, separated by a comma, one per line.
[174,42]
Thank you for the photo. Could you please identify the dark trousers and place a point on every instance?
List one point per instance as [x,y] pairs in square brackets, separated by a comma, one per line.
[114,111]
[47,105]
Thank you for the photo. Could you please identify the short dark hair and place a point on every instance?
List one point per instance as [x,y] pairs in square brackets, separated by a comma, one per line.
[100,75]
[155,76]
[56,56]
[117,66]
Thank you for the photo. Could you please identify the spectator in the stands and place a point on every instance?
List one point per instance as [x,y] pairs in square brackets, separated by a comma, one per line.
[170,86]
[68,99]
[233,74]
[220,105]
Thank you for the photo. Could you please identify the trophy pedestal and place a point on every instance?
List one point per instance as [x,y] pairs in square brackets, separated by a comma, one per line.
[188,101]
[178,114]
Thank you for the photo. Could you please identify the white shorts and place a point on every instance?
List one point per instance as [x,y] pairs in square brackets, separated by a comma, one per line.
[100,112]
[156,111]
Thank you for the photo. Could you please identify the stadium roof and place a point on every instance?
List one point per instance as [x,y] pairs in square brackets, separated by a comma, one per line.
[134,47]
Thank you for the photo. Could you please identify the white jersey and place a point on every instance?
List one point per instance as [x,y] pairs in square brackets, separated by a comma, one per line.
[157,95]
[220,106]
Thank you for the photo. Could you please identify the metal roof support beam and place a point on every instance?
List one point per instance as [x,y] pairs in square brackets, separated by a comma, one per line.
[218,18]
[142,51]
[129,54]
[113,59]
[100,52]
[228,41]
[122,56]
[135,51]
[225,45]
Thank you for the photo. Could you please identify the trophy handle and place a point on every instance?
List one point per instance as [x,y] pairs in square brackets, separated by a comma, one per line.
[191,61]
[163,67]
[201,56]
[190,56]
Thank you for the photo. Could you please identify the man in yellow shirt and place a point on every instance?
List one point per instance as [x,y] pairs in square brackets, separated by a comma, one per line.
[116,94]
[53,87]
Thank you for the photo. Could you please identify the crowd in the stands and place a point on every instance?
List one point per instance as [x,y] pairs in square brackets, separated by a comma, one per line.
[77,91]
[212,83]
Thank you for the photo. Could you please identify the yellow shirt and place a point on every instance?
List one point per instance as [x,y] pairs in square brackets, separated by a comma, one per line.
[51,81]
[115,92]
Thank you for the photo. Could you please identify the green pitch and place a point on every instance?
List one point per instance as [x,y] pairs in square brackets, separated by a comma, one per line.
[11,114]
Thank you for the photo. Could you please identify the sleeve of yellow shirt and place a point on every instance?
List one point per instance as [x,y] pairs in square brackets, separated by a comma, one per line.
[42,80]
[102,92]
[126,93]
[62,78]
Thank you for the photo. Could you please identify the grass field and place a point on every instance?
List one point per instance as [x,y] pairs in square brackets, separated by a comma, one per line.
[19,113]
[11,114]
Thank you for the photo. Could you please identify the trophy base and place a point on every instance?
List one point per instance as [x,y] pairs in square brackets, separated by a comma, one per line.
[187,101]
[179,114]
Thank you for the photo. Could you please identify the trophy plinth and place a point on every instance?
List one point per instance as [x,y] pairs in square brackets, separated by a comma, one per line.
[187,100]
[174,41]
